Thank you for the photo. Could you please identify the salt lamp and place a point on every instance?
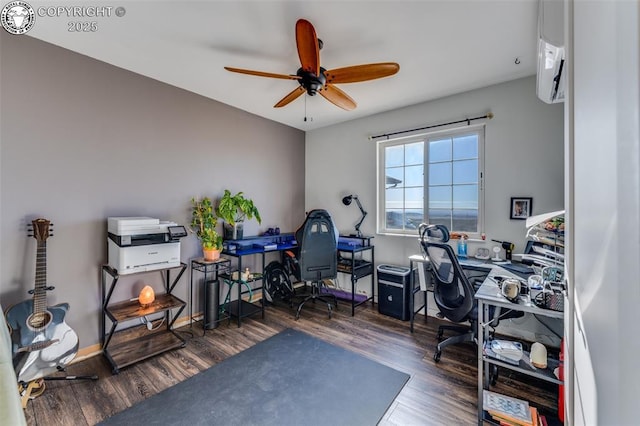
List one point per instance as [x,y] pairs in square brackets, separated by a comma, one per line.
[146,297]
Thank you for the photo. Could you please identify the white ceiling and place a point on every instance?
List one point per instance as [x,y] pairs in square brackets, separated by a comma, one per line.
[443,47]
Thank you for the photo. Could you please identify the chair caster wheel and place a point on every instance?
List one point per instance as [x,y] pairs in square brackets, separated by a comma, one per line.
[440,336]
[436,356]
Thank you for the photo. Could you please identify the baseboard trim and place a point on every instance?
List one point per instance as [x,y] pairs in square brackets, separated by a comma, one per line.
[87,352]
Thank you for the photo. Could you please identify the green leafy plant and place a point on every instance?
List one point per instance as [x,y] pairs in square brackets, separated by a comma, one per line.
[203,223]
[236,208]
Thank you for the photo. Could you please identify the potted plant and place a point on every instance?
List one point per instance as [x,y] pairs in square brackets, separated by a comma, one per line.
[234,209]
[203,224]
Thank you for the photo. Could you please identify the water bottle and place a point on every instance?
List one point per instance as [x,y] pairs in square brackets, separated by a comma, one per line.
[462,248]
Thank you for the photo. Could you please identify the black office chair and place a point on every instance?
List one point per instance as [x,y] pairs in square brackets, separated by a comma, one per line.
[452,290]
[317,257]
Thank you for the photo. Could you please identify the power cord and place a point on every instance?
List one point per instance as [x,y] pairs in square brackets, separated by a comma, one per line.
[149,323]
[231,283]
[250,289]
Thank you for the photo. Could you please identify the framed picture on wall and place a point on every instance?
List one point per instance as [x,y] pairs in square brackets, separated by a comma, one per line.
[521,207]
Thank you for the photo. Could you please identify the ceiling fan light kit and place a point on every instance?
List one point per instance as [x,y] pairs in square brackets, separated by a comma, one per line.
[313,78]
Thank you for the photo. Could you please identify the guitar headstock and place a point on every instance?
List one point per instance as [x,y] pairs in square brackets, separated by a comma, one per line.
[41,229]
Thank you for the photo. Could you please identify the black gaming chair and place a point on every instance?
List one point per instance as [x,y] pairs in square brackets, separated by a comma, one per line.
[317,256]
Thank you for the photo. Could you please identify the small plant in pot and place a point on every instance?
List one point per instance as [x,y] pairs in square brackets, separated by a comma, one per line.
[203,224]
[234,209]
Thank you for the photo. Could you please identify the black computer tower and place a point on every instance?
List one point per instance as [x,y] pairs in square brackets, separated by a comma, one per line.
[393,291]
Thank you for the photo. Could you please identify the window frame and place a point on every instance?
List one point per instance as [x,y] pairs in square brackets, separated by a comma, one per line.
[479,129]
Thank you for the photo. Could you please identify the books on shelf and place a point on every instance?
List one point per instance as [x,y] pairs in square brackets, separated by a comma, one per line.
[537,419]
[507,410]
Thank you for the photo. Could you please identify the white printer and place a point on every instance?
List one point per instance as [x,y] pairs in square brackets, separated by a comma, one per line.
[139,244]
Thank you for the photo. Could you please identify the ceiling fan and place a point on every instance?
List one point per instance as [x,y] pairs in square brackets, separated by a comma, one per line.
[315,79]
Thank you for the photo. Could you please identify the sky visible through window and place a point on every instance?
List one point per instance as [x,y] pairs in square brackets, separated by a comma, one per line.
[452,191]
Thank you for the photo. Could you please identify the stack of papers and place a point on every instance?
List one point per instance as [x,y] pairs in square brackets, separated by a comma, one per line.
[504,350]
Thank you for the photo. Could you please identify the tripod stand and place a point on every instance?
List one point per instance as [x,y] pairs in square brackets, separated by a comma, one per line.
[36,387]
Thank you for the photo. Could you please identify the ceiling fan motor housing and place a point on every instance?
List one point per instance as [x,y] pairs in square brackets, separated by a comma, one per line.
[311,82]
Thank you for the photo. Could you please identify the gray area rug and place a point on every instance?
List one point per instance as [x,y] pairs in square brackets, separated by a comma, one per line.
[289,379]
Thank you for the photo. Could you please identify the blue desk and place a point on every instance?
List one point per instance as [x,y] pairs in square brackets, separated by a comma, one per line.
[353,265]
[250,246]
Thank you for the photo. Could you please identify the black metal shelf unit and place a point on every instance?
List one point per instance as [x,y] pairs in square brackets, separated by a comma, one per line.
[353,265]
[137,343]
[246,304]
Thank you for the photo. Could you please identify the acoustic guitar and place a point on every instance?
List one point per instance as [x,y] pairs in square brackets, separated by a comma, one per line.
[42,342]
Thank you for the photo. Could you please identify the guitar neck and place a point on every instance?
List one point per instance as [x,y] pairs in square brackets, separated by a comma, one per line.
[40,291]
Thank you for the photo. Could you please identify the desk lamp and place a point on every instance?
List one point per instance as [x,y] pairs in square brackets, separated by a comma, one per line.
[347,201]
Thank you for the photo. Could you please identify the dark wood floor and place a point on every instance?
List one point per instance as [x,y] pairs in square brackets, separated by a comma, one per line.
[443,393]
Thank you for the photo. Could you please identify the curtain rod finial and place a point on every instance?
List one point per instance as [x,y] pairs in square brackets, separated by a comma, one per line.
[490,115]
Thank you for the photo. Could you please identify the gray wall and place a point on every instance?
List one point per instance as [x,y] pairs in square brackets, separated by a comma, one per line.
[603,188]
[82,140]
[523,157]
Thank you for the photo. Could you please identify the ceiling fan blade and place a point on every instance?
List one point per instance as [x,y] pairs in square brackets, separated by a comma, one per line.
[263,74]
[358,73]
[337,97]
[308,49]
[290,97]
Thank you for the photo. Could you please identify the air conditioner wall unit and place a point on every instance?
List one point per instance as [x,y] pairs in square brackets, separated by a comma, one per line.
[551,73]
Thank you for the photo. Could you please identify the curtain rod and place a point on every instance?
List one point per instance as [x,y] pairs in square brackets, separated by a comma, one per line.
[489,115]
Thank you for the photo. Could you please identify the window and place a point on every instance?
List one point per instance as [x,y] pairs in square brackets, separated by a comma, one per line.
[434,178]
